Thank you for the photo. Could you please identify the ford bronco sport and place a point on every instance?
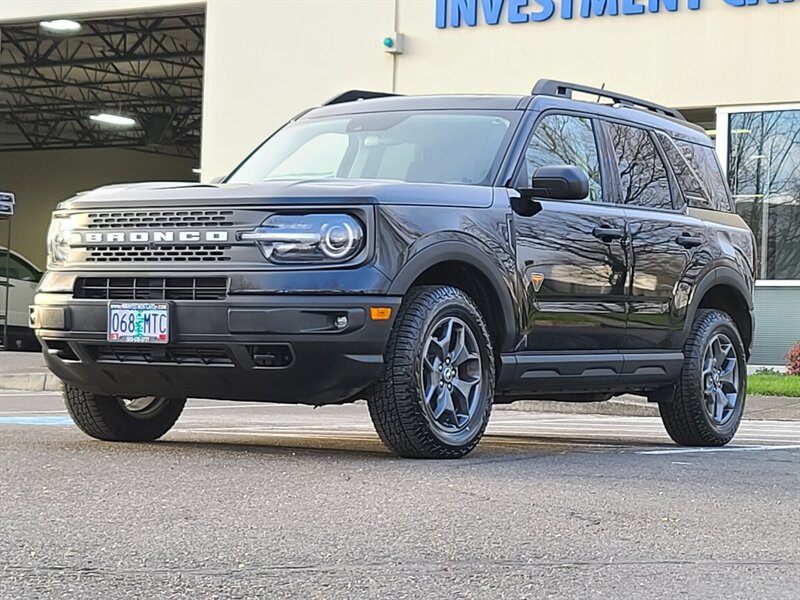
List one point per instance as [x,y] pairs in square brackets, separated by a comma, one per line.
[434,255]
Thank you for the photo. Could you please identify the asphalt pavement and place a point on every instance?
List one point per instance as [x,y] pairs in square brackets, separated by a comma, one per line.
[273,501]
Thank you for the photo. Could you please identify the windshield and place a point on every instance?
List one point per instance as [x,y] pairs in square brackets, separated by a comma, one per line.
[428,147]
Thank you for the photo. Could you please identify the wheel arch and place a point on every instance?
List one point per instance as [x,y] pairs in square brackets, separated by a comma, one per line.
[726,290]
[465,266]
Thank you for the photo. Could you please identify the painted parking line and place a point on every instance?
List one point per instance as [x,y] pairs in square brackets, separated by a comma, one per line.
[722,449]
[36,420]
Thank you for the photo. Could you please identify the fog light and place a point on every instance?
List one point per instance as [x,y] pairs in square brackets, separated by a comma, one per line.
[341,322]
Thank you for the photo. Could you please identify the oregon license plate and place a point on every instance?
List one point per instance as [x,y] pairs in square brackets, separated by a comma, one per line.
[138,322]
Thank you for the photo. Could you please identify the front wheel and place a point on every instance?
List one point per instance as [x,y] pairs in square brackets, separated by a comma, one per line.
[116,419]
[710,394]
[435,395]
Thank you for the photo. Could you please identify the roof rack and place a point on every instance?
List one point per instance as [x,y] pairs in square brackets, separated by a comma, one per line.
[550,87]
[354,95]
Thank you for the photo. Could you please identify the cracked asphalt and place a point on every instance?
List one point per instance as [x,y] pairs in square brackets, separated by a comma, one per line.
[249,501]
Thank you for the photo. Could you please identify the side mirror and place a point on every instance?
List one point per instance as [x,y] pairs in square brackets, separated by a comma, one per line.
[560,182]
[6,204]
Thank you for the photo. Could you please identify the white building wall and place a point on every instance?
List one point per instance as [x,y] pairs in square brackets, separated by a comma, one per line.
[267,61]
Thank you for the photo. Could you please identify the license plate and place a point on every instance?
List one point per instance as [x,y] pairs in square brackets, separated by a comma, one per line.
[138,322]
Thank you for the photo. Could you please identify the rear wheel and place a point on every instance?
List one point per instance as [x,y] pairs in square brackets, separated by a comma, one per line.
[116,419]
[709,400]
[435,395]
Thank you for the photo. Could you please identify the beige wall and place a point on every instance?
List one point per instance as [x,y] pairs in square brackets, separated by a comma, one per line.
[41,179]
[267,61]
[714,56]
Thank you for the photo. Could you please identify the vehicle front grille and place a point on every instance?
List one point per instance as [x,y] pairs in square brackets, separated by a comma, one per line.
[216,356]
[151,288]
[160,218]
[130,253]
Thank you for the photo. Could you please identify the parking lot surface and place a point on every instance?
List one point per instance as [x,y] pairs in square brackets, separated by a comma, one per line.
[246,500]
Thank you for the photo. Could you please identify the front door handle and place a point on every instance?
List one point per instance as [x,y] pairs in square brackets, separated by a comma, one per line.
[608,234]
[687,240]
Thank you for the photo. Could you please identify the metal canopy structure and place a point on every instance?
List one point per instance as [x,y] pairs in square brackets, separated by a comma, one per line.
[149,68]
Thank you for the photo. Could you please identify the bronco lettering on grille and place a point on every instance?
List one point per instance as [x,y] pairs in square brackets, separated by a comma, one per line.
[187,236]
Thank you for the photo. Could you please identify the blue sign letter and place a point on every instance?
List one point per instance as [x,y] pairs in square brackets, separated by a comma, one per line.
[548,8]
[467,8]
[566,9]
[441,14]
[629,7]
[514,16]
[598,7]
[491,11]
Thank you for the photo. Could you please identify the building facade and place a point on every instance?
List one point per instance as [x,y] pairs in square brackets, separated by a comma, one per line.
[731,65]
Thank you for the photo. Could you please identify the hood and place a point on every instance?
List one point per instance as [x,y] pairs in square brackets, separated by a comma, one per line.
[284,192]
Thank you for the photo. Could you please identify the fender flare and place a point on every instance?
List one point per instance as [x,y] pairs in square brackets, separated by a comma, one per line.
[721,275]
[473,253]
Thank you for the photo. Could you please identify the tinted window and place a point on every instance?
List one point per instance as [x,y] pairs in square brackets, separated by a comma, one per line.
[642,172]
[695,192]
[704,160]
[17,268]
[564,140]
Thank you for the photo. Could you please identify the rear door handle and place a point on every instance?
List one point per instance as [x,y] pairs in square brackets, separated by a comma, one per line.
[687,240]
[608,234]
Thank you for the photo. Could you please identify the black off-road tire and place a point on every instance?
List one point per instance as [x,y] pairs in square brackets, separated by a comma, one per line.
[683,415]
[106,418]
[395,401]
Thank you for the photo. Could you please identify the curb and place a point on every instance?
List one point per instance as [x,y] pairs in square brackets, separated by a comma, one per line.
[30,382]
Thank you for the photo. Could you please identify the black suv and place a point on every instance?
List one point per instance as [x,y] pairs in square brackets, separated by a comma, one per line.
[434,255]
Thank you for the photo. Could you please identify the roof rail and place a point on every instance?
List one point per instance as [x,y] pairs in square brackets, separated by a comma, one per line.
[354,95]
[550,87]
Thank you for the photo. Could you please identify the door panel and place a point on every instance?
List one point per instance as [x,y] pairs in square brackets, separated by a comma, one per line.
[666,245]
[669,252]
[571,254]
[575,281]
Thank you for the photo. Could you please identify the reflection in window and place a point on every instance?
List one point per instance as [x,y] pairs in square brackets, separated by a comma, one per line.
[764,176]
[704,161]
[642,172]
[690,182]
[564,140]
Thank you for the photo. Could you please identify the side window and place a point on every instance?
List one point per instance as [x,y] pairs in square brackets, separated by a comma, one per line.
[704,160]
[564,140]
[641,171]
[696,193]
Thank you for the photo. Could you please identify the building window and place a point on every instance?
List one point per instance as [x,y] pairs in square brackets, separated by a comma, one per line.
[763,167]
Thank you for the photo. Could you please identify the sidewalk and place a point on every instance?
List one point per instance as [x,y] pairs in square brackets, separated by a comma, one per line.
[26,371]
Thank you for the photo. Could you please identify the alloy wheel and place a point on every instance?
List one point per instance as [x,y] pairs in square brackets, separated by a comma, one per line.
[451,376]
[721,380]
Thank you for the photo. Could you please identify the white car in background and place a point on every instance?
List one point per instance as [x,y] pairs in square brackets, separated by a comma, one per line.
[23,277]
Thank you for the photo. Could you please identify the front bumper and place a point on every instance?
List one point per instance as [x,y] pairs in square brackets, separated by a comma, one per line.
[276,348]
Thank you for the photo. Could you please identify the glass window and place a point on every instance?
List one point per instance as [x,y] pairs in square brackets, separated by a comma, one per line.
[424,146]
[17,268]
[642,172]
[694,191]
[704,162]
[564,140]
[764,177]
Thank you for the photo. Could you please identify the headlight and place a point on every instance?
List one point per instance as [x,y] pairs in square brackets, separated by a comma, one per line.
[316,238]
[58,241]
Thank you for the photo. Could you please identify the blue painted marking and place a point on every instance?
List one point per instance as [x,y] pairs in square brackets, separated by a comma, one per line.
[34,420]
